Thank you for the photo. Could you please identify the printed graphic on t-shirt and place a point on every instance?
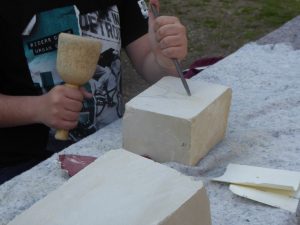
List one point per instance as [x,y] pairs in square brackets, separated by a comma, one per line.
[40,45]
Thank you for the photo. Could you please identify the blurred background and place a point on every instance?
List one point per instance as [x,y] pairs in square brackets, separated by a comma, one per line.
[217,28]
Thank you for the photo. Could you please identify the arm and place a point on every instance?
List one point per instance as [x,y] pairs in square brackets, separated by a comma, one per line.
[17,110]
[58,109]
[151,54]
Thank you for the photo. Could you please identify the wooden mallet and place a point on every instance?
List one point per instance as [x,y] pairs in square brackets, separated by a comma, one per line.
[76,63]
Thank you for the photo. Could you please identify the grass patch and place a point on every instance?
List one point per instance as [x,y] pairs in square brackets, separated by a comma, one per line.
[224,26]
[211,23]
[274,13]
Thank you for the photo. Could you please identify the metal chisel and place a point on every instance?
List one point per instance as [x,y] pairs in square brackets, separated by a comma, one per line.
[175,61]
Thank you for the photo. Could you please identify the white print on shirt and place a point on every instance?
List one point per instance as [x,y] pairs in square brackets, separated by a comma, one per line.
[144,8]
[107,104]
[107,28]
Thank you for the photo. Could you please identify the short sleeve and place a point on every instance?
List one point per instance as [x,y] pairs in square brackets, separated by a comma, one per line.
[134,23]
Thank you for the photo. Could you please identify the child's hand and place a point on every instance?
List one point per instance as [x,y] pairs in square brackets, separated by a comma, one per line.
[168,38]
[60,107]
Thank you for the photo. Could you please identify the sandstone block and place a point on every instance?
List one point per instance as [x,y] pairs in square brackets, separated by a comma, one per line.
[166,124]
[122,188]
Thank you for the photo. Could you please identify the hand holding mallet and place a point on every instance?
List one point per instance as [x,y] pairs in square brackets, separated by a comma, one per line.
[77,59]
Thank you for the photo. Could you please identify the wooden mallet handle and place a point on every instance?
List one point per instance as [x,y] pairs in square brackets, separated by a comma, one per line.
[62,134]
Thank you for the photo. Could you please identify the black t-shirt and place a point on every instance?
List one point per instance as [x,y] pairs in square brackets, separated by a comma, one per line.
[26,142]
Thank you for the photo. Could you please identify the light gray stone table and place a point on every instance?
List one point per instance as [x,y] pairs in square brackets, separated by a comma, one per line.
[263,130]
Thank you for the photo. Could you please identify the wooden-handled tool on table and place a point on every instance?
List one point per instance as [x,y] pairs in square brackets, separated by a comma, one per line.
[77,59]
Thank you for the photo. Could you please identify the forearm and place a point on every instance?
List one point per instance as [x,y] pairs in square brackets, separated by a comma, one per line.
[18,110]
[152,71]
[146,64]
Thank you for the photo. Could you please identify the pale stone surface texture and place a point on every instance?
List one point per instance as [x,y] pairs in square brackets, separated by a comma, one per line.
[164,123]
[126,189]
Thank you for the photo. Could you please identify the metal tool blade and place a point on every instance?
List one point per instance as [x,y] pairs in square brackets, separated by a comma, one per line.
[175,61]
